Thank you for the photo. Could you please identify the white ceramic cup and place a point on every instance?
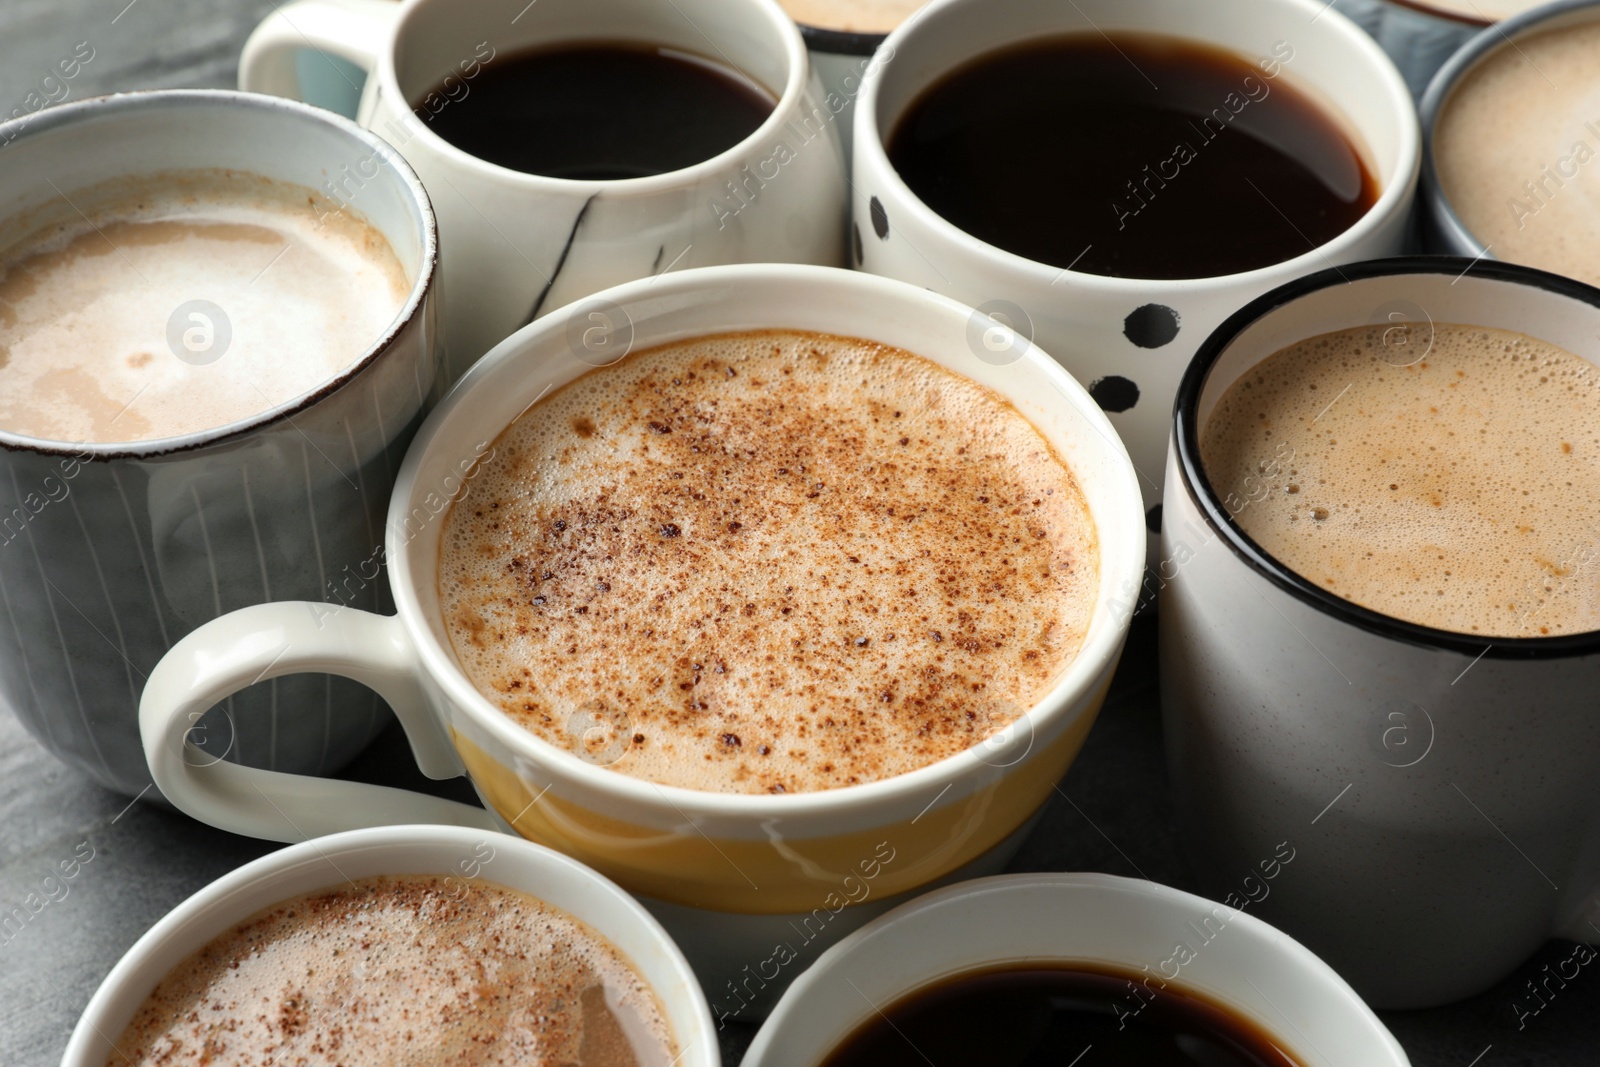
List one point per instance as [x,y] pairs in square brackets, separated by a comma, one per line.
[448,852]
[729,873]
[514,245]
[1438,786]
[1119,331]
[1223,953]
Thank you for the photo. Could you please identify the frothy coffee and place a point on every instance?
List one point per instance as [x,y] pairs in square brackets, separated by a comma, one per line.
[402,970]
[104,336]
[1458,491]
[1516,149]
[768,562]
[852,16]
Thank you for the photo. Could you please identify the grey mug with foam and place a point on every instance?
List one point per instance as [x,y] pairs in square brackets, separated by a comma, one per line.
[112,552]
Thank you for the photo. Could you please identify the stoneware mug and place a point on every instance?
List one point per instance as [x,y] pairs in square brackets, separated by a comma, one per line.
[728,874]
[1153,933]
[1440,788]
[1128,339]
[517,245]
[449,852]
[110,553]
[1442,228]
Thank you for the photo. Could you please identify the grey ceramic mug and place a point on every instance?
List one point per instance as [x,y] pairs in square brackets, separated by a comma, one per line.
[110,553]
[1438,789]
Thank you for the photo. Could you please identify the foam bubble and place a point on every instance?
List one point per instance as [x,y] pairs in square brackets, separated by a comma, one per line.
[770,562]
[1458,492]
[289,293]
[413,969]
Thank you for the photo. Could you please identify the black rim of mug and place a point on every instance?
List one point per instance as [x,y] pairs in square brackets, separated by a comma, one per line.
[1186,435]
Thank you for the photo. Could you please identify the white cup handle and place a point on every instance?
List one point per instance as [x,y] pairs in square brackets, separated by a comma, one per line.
[357,30]
[268,641]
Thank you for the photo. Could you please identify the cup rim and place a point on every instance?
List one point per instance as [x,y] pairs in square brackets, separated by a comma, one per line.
[138,960]
[1431,108]
[998,886]
[869,144]
[789,99]
[1101,648]
[70,113]
[1195,482]
[1460,17]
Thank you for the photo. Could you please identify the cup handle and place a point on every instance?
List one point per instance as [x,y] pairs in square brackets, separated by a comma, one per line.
[268,641]
[357,30]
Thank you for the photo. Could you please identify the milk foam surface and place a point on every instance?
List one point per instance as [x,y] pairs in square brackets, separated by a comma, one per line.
[768,562]
[852,16]
[412,970]
[1461,492]
[85,309]
[1518,151]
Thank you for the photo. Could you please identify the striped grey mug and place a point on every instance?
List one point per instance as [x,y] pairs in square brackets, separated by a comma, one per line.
[112,551]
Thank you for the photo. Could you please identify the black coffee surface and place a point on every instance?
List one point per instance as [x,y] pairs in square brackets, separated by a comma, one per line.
[1134,156]
[598,111]
[1054,1017]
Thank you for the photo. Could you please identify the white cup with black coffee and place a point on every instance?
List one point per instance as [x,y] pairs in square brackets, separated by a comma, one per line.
[1112,179]
[571,145]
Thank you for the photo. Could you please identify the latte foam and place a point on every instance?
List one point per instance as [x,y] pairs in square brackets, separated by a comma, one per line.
[1460,492]
[405,970]
[768,562]
[216,298]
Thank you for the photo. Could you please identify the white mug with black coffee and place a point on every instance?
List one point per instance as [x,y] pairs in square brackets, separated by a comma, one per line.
[571,145]
[1113,178]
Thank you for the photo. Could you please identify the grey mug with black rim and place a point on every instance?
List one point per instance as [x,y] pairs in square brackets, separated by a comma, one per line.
[112,552]
[1440,789]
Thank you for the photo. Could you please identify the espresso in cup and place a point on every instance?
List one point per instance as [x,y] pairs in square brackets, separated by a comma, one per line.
[194,300]
[595,112]
[1449,481]
[1513,149]
[403,969]
[768,562]
[1050,1013]
[1133,156]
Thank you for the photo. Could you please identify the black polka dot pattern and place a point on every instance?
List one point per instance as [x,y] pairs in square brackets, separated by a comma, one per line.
[1151,326]
[861,255]
[880,219]
[1152,519]
[1114,393]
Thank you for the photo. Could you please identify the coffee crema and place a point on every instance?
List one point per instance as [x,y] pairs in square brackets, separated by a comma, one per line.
[1459,490]
[101,336]
[1515,149]
[768,562]
[852,16]
[402,970]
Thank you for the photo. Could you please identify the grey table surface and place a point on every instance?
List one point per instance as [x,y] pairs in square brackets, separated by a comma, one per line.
[1113,812]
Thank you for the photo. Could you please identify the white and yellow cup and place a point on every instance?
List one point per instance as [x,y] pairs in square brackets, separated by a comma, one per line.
[732,875]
